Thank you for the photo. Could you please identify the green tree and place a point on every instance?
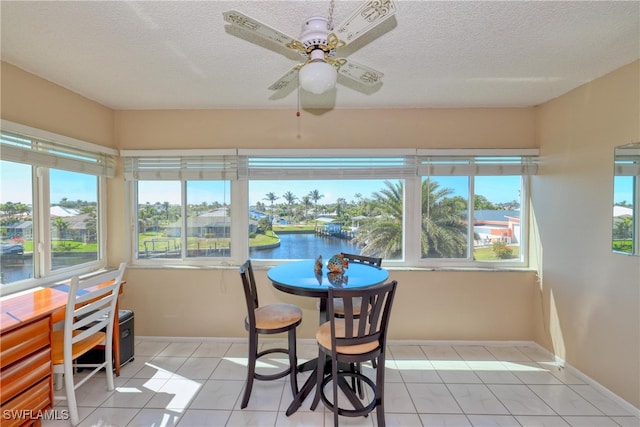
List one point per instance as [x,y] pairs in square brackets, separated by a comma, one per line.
[482,203]
[315,196]
[382,235]
[62,227]
[271,197]
[443,228]
[290,198]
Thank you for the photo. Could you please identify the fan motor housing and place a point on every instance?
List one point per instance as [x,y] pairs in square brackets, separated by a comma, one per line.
[314,35]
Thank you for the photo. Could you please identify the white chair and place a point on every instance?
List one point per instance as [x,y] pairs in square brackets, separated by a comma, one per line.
[89,319]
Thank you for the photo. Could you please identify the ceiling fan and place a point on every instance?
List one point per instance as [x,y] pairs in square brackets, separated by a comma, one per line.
[318,43]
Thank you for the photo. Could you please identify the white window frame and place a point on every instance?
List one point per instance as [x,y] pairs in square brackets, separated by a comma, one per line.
[411,175]
[74,156]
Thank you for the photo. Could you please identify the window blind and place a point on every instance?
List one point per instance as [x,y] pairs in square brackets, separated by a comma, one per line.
[221,166]
[479,165]
[326,167]
[627,162]
[40,152]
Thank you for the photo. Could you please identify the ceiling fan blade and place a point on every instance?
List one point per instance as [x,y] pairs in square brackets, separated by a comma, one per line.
[369,15]
[287,79]
[360,73]
[247,23]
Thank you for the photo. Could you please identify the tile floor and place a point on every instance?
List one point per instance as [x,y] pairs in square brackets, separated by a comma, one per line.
[199,384]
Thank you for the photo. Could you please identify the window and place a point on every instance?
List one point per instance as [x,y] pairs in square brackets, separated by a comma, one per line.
[182,204]
[51,200]
[472,207]
[429,208]
[325,203]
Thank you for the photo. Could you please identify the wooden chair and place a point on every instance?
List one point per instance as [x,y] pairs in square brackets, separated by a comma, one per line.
[268,319]
[349,341]
[88,323]
[376,262]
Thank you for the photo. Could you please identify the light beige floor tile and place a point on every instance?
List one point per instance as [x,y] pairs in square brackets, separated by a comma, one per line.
[520,400]
[150,348]
[578,421]
[627,421]
[108,417]
[508,353]
[476,399]
[473,352]
[197,368]
[211,349]
[218,394]
[433,398]
[440,352]
[301,419]
[175,394]
[160,367]
[444,420]
[155,418]
[179,349]
[204,418]
[542,421]
[600,401]
[135,393]
[564,400]
[249,418]
[493,421]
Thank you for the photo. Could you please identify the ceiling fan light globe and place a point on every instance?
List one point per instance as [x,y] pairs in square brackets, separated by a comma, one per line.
[317,77]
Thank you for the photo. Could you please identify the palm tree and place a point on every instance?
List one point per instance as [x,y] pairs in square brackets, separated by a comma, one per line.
[271,197]
[62,226]
[443,228]
[315,196]
[290,198]
[444,232]
[306,203]
[382,235]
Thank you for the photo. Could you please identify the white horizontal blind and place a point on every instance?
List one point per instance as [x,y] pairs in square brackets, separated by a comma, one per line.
[326,167]
[39,152]
[477,165]
[189,168]
[627,162]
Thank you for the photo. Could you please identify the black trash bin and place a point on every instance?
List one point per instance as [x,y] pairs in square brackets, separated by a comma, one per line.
[127,337]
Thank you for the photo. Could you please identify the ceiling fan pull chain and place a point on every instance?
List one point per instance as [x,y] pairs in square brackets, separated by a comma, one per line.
[332,4]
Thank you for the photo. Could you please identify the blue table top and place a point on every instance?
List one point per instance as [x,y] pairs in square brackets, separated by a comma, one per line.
[300,278]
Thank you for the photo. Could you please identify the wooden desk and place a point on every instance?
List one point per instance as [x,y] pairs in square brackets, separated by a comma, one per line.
[26,327]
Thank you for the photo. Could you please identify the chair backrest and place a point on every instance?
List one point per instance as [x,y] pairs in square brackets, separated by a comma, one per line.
[363,259]
[359,329]
[250,291]
[91,307]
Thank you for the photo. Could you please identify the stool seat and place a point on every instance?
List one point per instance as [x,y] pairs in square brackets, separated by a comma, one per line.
[278,315]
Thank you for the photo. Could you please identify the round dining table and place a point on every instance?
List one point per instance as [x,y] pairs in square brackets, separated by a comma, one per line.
[301,278]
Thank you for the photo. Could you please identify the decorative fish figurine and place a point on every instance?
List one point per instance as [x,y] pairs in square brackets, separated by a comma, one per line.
[337,279]
[337,263]
[318,265]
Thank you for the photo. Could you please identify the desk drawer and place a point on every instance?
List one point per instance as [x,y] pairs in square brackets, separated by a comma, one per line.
[23,341]
[23,374]
[18,411]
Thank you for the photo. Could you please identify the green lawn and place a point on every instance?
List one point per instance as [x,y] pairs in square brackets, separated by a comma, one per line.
[487,254]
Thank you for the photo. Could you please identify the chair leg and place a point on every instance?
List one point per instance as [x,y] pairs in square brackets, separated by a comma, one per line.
[293,362]
[334,380]
[251,368]
[70,390]
[380,391]
[319,378]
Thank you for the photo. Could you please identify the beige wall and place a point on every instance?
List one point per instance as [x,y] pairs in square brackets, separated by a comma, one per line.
[588,299]
[583,305]
[32,101]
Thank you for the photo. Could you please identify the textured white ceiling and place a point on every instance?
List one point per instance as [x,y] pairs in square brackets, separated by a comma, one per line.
[181,54]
